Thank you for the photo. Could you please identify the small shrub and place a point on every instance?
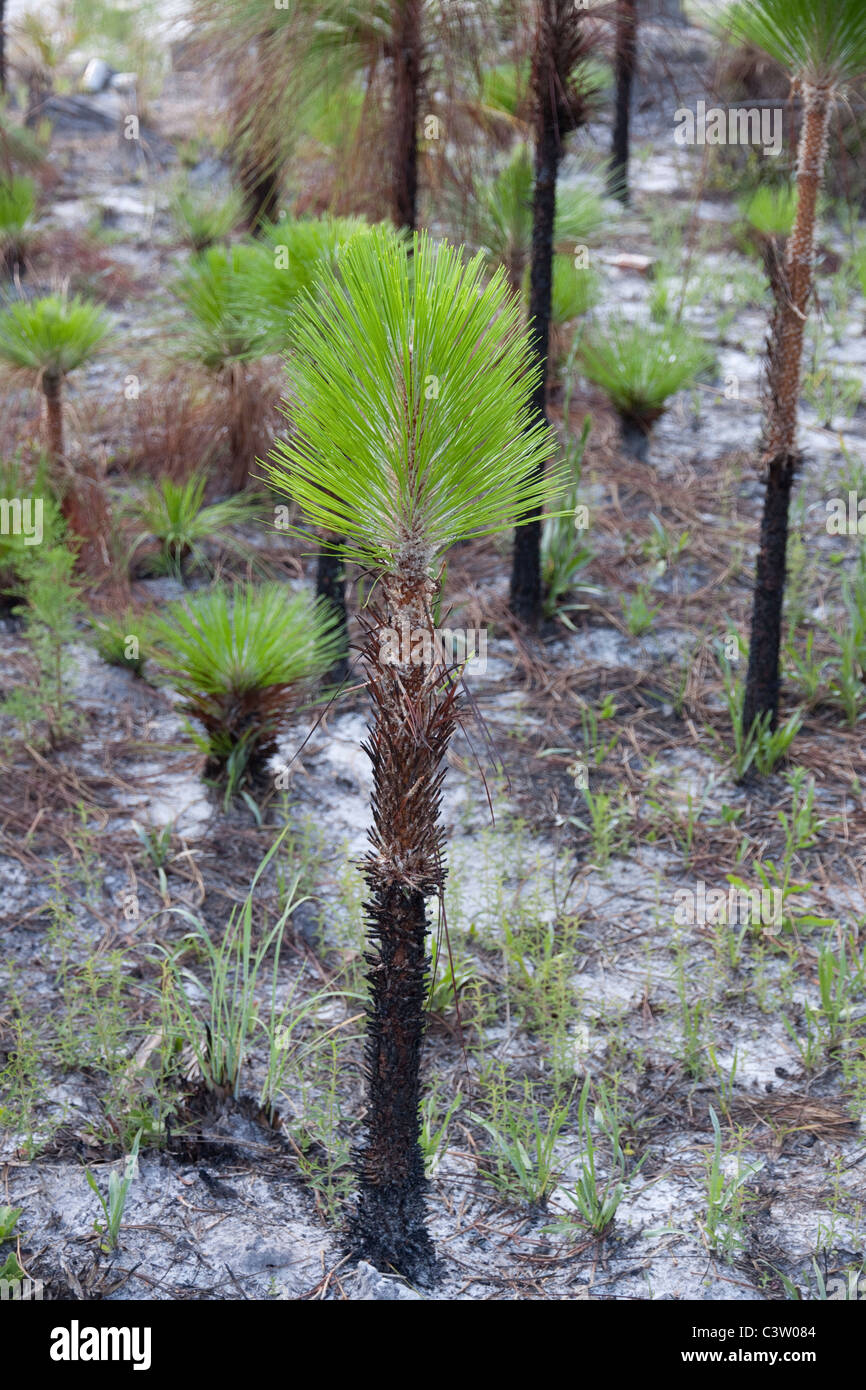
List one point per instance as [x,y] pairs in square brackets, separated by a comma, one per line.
[174,514]
[641,365]
[240,662]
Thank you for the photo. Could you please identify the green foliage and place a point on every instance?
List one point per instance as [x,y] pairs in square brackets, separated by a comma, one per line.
[51,336]
[823,44]
[296,252]
[220,325]
[17,210]
[503,215]
[521,1160]
[640,365]
[117,640]
[203,219]
[16,549]
[239,663]
[175,515]
[563,554]
[410,404]
[574,291]
[118,1190]
[771,211]
[221,1036]
[51,611]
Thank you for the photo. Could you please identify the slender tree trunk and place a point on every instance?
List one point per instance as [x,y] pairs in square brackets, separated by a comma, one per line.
[52,393]
[525,599]
[260,185]
[624,66]
[330,584]
[407,44]
[412,725]
[792,287]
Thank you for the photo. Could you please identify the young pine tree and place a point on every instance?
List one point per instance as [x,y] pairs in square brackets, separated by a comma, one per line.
[411,379]
[823,47]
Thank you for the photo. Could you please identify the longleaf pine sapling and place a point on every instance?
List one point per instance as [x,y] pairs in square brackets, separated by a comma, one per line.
[402,472]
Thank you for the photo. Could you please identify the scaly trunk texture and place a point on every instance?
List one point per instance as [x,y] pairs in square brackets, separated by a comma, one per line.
[412,725]
[330,584]
[792,287]
[407,48]
[624,68]
[525,598]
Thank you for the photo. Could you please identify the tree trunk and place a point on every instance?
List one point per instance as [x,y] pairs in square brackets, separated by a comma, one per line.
[3,47]
[412,726]
[330,584]
[407,48]
[52,392]
[624,66]
[525,598]
[792,288]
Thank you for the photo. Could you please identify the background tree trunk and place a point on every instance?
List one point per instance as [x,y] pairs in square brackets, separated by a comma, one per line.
[52,392]
[525,599]
[407,52]
[792,288]
[330,584]
[625,56]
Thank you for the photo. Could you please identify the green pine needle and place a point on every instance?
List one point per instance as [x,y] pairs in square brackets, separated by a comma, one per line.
[410,404]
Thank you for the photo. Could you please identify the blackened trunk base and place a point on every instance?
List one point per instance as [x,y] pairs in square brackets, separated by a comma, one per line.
[762,680]
[388,1223]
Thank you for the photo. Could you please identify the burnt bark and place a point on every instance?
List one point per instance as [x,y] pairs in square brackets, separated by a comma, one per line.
[525,597]
[791,282]
[625,56]
[413,721]
[406,95]
[762,680]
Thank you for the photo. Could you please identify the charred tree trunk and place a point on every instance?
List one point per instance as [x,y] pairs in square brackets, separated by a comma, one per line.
[762,682]
[261,186]
[412,725]
[525,598]
[407,53]
[625,57]
[792,288]
[330,584]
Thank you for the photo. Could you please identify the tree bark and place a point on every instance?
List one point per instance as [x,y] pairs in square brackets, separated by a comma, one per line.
[525,597]
[330,584]
[624,66]
[52,392]
[412,726]
[792,288]
[407,53]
